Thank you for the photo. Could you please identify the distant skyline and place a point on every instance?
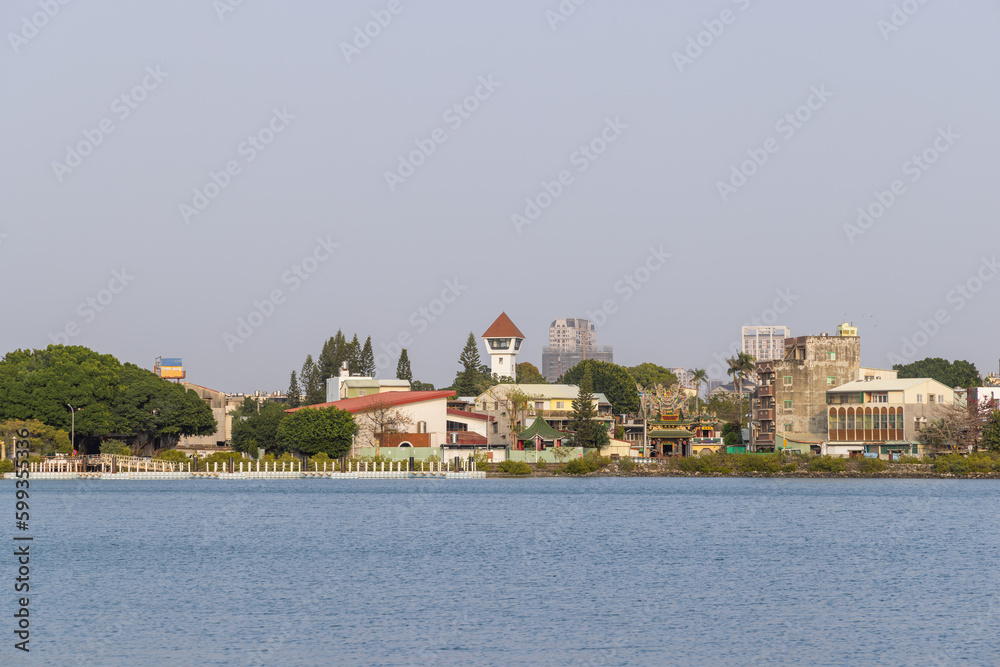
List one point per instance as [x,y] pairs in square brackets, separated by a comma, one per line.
[233,183]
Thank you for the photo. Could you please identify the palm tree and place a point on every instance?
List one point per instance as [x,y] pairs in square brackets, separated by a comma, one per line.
[739,366]
[698,376]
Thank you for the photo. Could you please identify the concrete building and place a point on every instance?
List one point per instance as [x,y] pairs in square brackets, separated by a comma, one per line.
[765,343]
[571,340]
[789,405]
[218,402]
[503,342]
[883,417]
[685,378]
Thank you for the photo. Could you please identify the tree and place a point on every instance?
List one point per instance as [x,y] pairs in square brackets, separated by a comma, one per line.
[315,430]
[474,378]
[352,355]
[110,398]
[611,380]
[294,395]
[312,383]
[739,366]
[512,405]
[648,375]
[368,359]
[528,373]
[417,385]
[334,354]
[991,432]
[951,374]
[44,439]
[698,375]
[259,429]
[403,371]
[724,405]
[380,419]
[587,430]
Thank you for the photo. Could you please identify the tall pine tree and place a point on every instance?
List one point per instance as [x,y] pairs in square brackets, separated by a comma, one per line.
[470,380]
[368,359]
[353,356]
[587,431]
[294,395]
[312,384]
[403,371]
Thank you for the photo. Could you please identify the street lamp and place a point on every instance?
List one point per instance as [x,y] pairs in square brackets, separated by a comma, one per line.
[72,441]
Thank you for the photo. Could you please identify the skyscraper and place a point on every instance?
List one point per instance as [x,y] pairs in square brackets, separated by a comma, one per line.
[765,343]
[571,340]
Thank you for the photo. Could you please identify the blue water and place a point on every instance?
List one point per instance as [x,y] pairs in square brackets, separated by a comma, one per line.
[574,571]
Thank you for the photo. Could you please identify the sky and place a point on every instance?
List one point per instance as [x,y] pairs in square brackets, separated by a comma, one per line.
[232,182]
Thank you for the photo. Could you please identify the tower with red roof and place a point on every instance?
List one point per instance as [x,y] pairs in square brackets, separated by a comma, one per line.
[503,341]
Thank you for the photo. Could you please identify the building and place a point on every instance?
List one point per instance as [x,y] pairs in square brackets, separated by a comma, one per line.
[789,405]
[553,402]
[219,403]
[883,417]
[571,340]
[344,385]
[747,388]
[685,378]
[503,342]
[765,343]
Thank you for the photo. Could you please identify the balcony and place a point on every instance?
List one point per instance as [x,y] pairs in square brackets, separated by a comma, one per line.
[765,390]
[765,415]
[764,439]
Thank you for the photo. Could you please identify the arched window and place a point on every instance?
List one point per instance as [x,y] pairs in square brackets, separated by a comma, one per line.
[405,444]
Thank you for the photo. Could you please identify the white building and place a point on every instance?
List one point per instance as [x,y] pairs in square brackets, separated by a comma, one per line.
[503,342]
[765,343]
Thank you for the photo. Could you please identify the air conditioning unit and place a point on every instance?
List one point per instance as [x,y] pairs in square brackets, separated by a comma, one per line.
[532,413]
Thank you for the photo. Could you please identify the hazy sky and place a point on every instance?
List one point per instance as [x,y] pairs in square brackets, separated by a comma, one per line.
[169,168]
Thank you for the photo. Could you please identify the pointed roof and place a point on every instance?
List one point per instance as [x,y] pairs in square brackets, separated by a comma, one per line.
[503,328]
[542,428]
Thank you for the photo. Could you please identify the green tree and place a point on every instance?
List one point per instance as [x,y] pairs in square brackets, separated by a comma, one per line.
[294,395]
[587,430]
[648,375]
[109,397]
[44,439]
[403,371]
[698,375]
[474,377]
[611,380]
[352,355]
[991,432]
[740,366]
[417,385]
[315,430]
[255,429]
[528,373]
[951,374]
[312,383]
[368,359]
[334,354]
[724,405]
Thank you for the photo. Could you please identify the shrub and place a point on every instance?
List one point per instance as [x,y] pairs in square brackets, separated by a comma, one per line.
[790,467]
[515,467]
[626,464]
[744,463]
[6,465]
[956,464]
[867,465]
[591,462]
[116,447]
[172,455]
[539,465]
[909,459]
[702,464]
[827,464]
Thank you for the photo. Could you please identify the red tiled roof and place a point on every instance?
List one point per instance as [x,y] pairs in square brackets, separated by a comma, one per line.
[502,327]
[389,398]
[469,415]
[468,438]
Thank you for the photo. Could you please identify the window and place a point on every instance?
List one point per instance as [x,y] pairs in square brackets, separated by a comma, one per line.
[362,392]
[787,380]
[920,398]
[868,421]
[788,404]
[850,421]
[940,398]
[500,361]
[787,426]
[559,405]
[831,356]
[830,380]
[539,405]
[880,397]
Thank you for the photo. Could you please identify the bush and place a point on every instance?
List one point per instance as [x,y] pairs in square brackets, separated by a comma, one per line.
[790,467]
[6,465]
[515,467]
[867,465]
[116,447]
[626,464]
[590,462]
[172,455]
[909,459]
[745,463]
[827,464]
[539,465]
[956,464]
[705,465]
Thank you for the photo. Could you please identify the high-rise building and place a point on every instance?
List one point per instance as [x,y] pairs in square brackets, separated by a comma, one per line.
[765,343]
[571,340]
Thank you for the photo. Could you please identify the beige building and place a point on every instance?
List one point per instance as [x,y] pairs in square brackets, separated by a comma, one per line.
[883,417]
[552,402]
[217,401]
